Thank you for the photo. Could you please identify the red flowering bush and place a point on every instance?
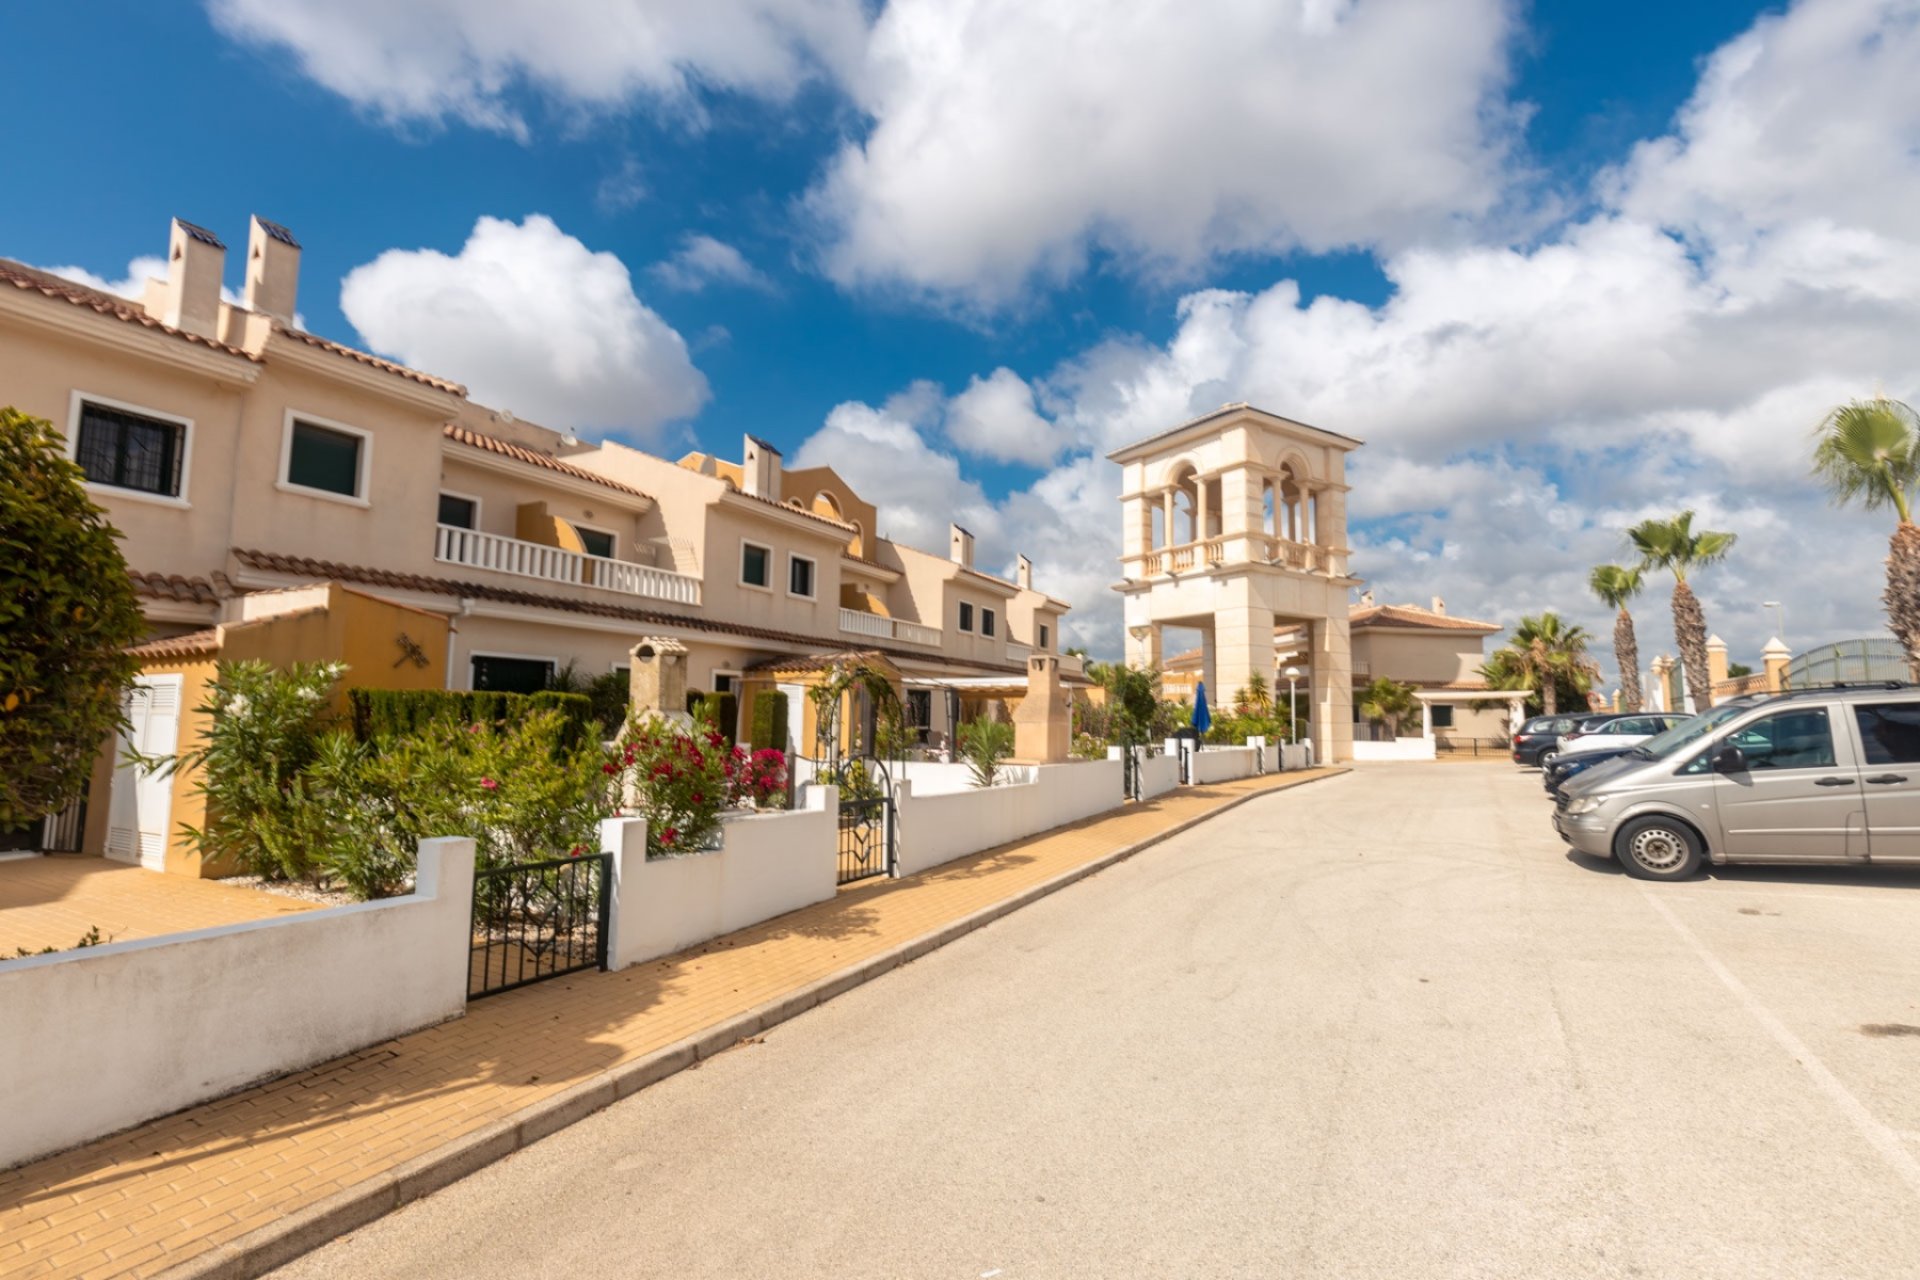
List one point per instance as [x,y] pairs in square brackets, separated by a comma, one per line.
[680,782]
[762,779]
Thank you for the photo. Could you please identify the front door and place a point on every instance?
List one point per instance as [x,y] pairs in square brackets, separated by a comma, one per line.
[1890,778]
[140,811]
[1798,799]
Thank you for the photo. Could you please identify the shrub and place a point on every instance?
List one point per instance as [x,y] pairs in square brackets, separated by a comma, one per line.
[763,780]
[263,729]
[67,613]
[984,743]
[721,710]
[610,696]
[680,782]
[769,729]
[395,713]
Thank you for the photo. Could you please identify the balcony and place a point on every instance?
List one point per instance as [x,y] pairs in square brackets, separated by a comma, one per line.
[880,627]
[1188,556]
[553,564]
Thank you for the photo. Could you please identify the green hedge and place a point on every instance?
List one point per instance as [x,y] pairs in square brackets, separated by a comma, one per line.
[769,727]
[721,710]
[389,713]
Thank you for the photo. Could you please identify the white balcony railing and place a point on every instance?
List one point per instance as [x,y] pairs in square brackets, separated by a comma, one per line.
[1188,556]
[552,564]
[1018,652]
[880,627]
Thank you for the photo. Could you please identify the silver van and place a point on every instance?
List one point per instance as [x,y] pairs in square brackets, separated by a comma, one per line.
[1816,775]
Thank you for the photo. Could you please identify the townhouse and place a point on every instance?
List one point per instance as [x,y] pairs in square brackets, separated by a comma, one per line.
[241,455]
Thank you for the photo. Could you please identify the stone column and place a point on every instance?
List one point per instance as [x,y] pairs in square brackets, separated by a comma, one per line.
[1143,650]
[1040,728]
[1200,487]
[1774,658]
[1331,681]
[1716,667]
[1243,644]
[1166,521]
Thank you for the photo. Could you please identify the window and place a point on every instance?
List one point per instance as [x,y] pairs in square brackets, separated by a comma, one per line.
[511,675]
[461,513]
[325,459]
[723,683]
[1890,732]
[1440,715]
[920,714]
[1796,739]
[755,565]
[598,542]
[986,622]
[966,616]
[1044,638]
[800,576]
[130,450]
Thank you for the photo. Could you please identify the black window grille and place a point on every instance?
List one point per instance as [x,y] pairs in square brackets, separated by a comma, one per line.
[129,451]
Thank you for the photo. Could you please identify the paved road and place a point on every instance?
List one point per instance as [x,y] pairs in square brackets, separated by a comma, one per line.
[1382,1026]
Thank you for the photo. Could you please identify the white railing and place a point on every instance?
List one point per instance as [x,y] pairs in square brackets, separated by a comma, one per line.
[1303,556]
[1296,555]
[881,627]
[554,564]
[1019,652]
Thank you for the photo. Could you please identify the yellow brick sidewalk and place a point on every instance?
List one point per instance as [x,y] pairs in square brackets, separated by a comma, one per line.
[174,1189]
[52,901]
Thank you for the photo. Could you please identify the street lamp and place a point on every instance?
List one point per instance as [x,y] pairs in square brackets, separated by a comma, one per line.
[1293,706]
[1779,619]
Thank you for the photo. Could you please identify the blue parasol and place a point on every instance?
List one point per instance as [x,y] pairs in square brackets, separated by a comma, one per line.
[1202,718]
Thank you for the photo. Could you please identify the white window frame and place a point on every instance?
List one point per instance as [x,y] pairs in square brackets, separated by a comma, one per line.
[474,498]
[361,480]
[813,576]
[177,501]
[597,528]
[553,663]
[963,617]
[767,586]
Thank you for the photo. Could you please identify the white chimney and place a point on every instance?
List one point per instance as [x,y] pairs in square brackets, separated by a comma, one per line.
[1366,599]
[760,465]
[1440,606]
[1023,574]
[273,269]
[960,547]
[189,297]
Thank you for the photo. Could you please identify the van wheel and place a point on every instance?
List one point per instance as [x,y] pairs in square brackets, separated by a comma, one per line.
[1658,849]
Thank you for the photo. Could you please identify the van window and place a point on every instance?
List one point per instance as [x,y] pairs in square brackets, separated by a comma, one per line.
[1799,738]
[1890,732]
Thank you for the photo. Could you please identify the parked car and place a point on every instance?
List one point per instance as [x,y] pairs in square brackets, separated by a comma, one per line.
[1615,732]
[1538,735]
[1814,775]
[1563,768]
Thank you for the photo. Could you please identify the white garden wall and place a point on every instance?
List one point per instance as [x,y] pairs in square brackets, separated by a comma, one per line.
[97,1040]
[939,828]
[1398,749]
[1158,774]
[1297,756]
[1223,764]
[768,864]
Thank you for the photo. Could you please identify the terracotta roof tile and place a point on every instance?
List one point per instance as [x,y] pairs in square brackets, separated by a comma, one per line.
[371,360]
[1406,615]
[161,586]
[818,661]
[193,644]
[791,510]
[275,562]
[533,457]
[28,279]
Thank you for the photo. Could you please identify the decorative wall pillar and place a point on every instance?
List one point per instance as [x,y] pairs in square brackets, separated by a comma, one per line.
[1331,682]
[1775,658]
[657,678]
[1040,726]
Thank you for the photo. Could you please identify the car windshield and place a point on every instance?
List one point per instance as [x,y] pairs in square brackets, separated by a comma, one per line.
[1688,732]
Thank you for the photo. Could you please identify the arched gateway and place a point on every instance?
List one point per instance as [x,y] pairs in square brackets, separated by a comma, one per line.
[1237,521]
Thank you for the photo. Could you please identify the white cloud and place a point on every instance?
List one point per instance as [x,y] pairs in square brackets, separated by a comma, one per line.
[132,285]
[995,418]
[1011,139]
[1524,405]
[701,260]
[622,188]
[532,321]
[476,60]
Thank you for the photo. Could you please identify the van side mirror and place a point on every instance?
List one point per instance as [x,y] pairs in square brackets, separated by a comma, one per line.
[1729,759]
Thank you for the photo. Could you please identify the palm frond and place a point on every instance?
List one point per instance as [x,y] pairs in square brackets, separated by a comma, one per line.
[1869,451]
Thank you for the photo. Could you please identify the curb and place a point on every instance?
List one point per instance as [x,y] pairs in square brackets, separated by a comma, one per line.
[260,1251]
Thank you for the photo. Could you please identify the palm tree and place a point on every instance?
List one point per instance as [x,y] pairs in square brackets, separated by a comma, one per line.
[1543,653]
[1673,545]
[1387,702]
[1869,450]
[1616,585]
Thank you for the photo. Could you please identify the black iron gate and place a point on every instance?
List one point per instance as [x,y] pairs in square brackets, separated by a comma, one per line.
[866,837]
[538,920]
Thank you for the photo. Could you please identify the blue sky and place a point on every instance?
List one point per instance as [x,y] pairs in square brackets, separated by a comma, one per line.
[898,202]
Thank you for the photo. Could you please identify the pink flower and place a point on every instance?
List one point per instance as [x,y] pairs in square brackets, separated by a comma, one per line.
[608,768]
[489,784]
[473,728]
[669,835]
[698,798]
[576,851]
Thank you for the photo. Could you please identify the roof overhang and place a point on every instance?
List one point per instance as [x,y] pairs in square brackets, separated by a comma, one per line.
[1175,436]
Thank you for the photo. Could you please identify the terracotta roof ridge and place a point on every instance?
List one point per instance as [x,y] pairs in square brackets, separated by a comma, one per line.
[61,289]
[533,457]
[790,508]
[369,359]
[191,644]
[174,586]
